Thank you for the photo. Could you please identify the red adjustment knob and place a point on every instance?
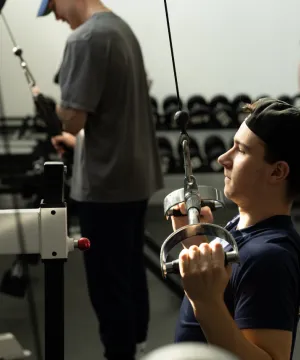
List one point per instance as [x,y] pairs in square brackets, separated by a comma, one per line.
[82,244]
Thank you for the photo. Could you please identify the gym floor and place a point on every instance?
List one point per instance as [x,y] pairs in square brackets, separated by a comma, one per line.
[81,332]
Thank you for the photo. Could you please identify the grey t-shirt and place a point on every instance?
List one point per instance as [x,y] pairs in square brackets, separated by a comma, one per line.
[103,73]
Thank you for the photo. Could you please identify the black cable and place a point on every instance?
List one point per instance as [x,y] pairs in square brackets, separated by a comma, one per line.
[31,300]
[8,30]
[172,54]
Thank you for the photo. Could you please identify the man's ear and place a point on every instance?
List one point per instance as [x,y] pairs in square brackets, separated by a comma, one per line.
[280,171]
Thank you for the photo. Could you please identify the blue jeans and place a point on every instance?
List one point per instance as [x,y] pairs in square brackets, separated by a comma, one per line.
[116,274]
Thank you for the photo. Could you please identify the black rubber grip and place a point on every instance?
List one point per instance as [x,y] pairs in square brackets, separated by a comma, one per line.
[178,213]
[46,110]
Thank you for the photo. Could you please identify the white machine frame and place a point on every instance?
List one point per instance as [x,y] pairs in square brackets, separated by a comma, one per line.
[42,231]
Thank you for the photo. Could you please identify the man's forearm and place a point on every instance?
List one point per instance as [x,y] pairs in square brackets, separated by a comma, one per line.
[220,329]
[72,121]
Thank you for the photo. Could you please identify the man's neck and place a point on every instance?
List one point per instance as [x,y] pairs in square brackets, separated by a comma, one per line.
[250,216]
[92,8]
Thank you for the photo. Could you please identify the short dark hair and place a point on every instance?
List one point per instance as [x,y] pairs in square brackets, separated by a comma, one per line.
[271,156]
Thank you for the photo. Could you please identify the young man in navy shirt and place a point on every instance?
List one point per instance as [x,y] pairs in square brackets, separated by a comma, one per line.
[250,309]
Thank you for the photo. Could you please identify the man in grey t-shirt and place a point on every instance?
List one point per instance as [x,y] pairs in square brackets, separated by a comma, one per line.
[105,111]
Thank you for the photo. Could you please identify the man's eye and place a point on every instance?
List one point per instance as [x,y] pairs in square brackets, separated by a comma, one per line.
[241,151]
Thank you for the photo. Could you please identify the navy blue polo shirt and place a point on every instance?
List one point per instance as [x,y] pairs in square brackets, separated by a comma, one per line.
[263,291]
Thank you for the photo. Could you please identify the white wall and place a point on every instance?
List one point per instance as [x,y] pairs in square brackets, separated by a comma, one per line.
[221,46]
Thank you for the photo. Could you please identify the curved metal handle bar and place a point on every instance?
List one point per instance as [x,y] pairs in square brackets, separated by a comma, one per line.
[198,230]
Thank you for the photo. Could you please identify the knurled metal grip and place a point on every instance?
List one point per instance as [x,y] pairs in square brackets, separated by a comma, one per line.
[210,196]
[212,230]
[191,194]
[192,200]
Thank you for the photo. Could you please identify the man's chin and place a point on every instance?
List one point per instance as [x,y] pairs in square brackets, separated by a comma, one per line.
[74,26]
[228,194]
[231,196]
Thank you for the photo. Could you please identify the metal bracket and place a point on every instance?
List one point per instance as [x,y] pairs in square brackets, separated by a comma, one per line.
[210,196]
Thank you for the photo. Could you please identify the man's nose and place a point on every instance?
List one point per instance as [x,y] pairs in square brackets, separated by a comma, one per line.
[225,159]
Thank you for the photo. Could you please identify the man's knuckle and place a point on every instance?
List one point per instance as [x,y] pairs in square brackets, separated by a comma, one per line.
[216,268]
[204,246]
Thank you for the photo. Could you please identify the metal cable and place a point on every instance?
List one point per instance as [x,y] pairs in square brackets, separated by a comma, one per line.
[172,54]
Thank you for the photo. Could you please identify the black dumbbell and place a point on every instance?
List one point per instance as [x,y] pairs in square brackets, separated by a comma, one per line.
[199,111]
[167,160]
[56,78]
[286,98]
[214,147]
[15,282]
[170,107]
[237,104]
[197,162]
[262,97]
[154,107]
[296,100]
[222,112]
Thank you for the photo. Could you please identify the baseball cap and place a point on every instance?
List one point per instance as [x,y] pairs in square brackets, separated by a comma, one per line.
[44,8]
[277,124]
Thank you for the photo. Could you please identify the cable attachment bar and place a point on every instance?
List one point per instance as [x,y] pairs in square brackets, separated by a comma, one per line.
[192,200]
[29,77]
[187,158]
[192,196]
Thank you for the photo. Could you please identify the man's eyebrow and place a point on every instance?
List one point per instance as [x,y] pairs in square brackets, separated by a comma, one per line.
[241,143]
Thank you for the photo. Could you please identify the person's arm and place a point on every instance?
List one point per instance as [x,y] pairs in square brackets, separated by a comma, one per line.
[82,78]
[73,120]
[266,301]
[220,329]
